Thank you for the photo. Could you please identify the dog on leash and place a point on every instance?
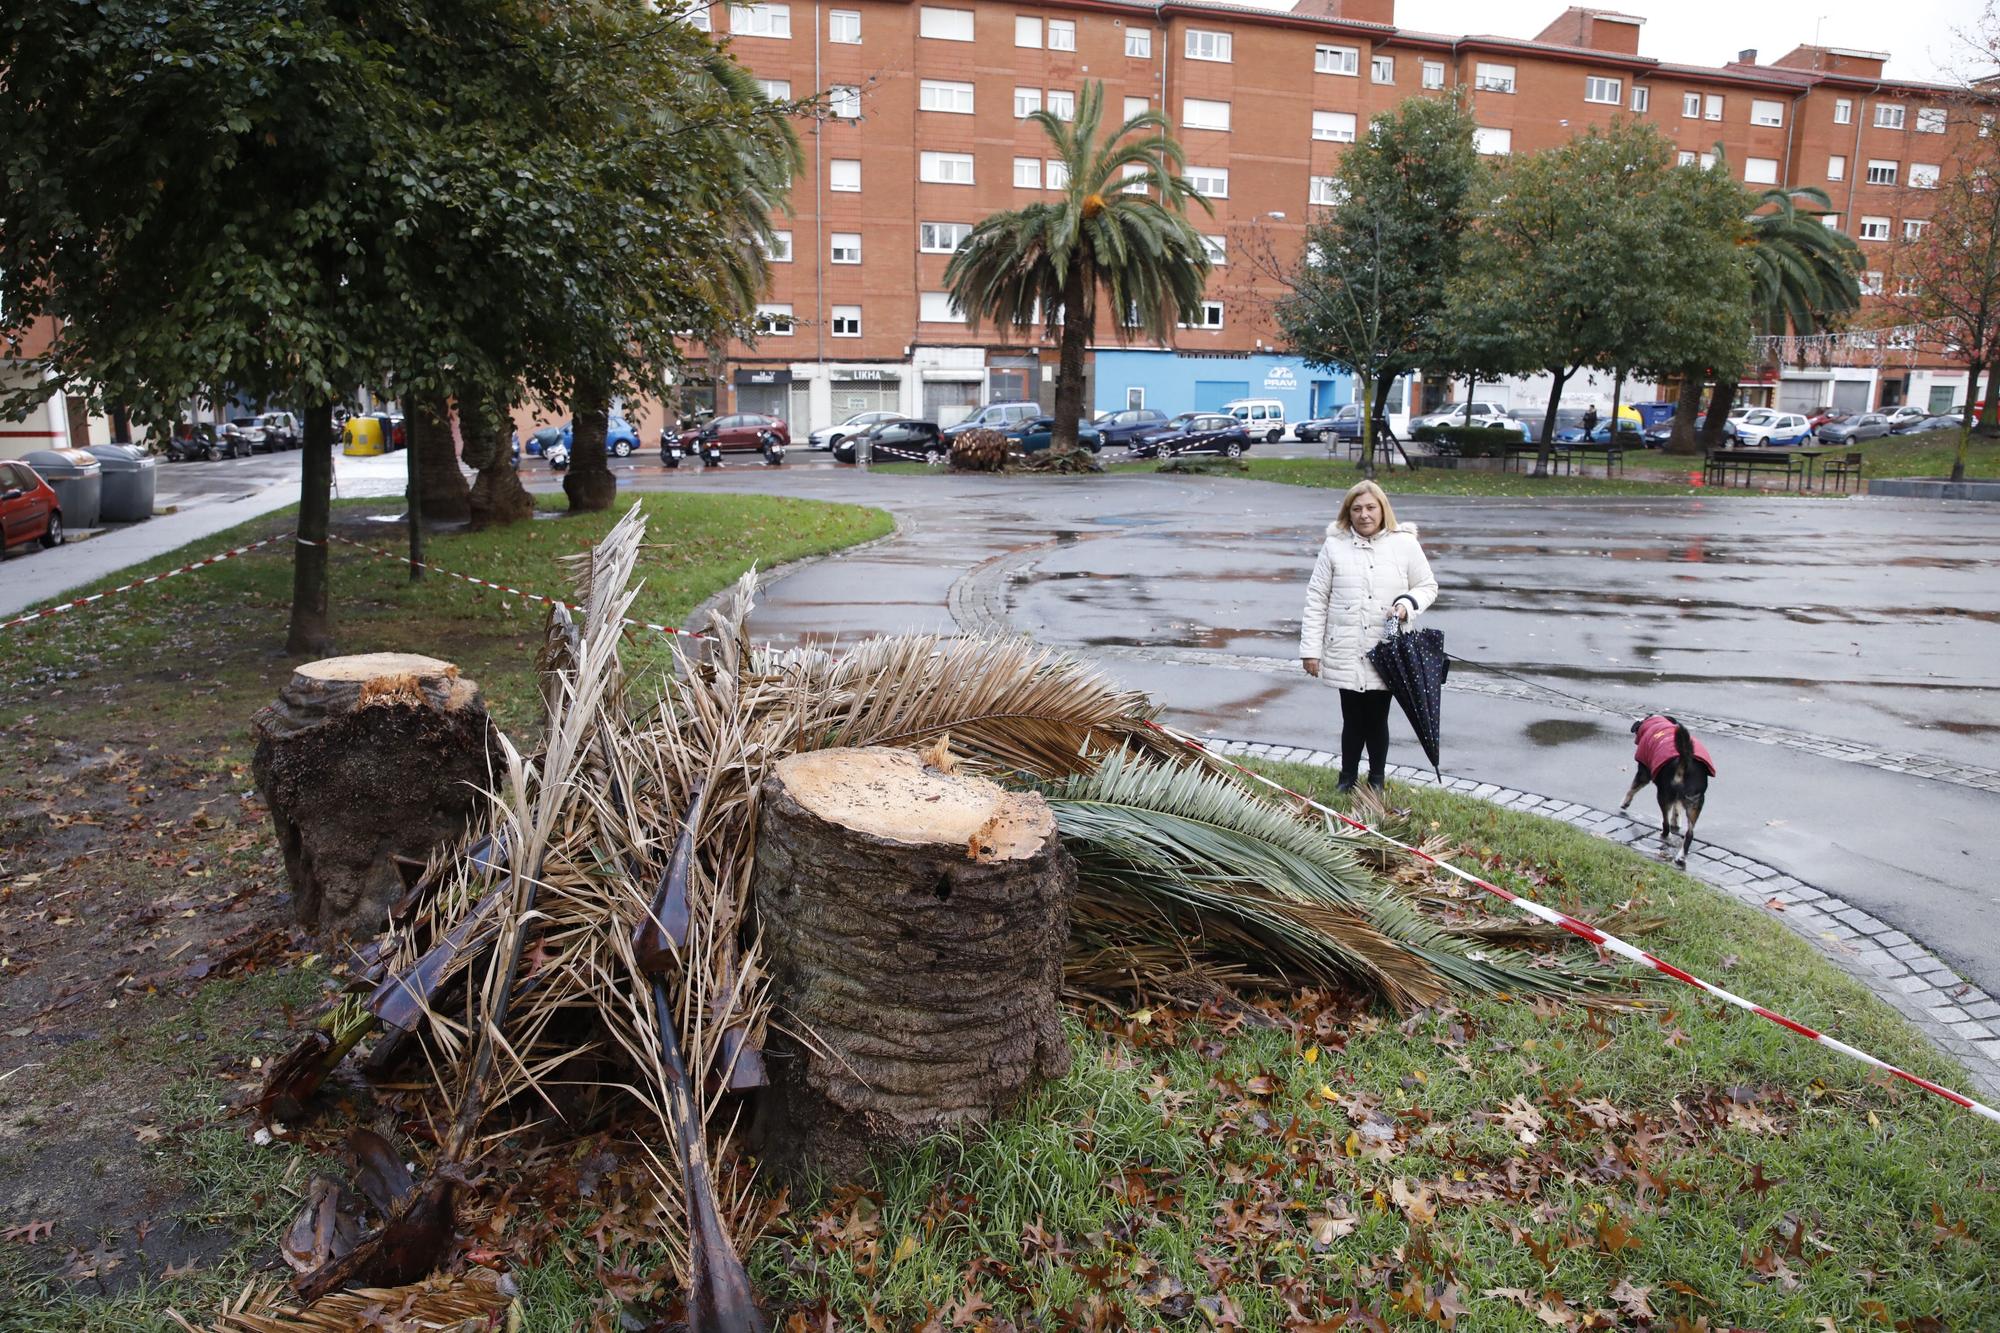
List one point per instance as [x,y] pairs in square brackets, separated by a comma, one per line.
[1679,768]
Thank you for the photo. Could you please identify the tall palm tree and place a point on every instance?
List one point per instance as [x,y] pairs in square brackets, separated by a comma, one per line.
[1120,230]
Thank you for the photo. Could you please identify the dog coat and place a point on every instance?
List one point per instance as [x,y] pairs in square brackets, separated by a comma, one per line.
[1655,746]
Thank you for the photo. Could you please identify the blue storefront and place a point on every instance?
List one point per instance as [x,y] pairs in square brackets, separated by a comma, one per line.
[1173,382]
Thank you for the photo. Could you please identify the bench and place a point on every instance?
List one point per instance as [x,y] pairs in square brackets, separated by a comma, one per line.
[1612,454]
[1847,469]
[1726,466]
[1559,457]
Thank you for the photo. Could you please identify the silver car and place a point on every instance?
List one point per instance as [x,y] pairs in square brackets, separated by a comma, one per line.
[1862,426]
[828,436]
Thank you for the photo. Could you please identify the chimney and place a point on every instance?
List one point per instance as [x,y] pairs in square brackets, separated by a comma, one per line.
[1748,57]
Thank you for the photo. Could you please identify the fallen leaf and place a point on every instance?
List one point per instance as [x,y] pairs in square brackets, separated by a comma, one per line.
[32,1233]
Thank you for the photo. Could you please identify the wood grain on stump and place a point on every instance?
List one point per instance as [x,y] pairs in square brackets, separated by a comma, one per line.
[362,760]
[915,922]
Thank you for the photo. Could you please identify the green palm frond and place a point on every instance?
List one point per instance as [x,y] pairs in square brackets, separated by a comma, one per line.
[1804,275]
[1196,856]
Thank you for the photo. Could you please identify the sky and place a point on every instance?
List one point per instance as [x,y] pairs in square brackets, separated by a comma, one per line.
[1917,34]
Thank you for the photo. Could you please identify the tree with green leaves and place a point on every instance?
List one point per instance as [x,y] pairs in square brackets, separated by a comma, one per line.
[1119,232]
[1369,292]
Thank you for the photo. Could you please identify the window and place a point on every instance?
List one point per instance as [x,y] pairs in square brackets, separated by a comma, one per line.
[1881,173]
[1337,60]
[1130,170]
[1056,173]
[1888,116]
[1139,43]
[774,320]
[1913,228]
[1204,45]
[938,308]
[1930,120]
[1986,125]
[1210,317]
[847,321]
[1923,175]
[1433,74]
[1686,158]
[1062,34]
[1199,115]
[1607,91]
[843,26]
[846,247]
[760,20]
[936,95]
[1767,113]
[1027,173]
[1027,31]
[1324,191]
[946,25]
[1907,286]
[1690,106]
[1062,104]
[942,238]
[1027,101]
[844,100]
[1871,283]
[779,248]
[1209,182]
[1334,126]
[1217,248]
[843,174]
[1493,143]
[1493,78]
[945,168]
[700,20]
[1843,111]
[1135,106]
[1641,98]
[1874,229]
[1381,69]
[778,90]
[1760,171]
[1836,168]
[1711,107]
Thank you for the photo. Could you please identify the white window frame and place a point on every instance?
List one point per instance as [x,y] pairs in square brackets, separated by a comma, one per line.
[1433,75]
[775,319]
[1382,69]
[843,27]
[700,19]
[1027,173]
[1211,317]
[1493,77]
[1711,106]
[1489,142]
[1197,177]
[1139,43]
[1218,250]
[930,304]
[1871,282]
[1200,113]
[1342,60]
[927,238]
[1913,228]
[1764,111]
[1062,103]
[1028,32]
[945,25]
[1889,115]
[1836,167]
[1930,120]
[834,173]
[1055,174]
[1027,101]
[1137,105]
[1690,106]
[945,95]
[1062,34]
[1323,190]
[1327,126]
[1208,44]
[1882,171]
[1872,229]
[849,314]
[943,168]
[843,101]
[1642,99]
[1129,170]
[1924,175]
[778,250]
[1843,110]
[1760,171]
[844,248]
[777,90]
[761,20]
[1603,91]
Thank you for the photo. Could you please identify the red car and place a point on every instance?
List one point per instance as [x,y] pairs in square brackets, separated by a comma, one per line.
[742,430]
[29,509]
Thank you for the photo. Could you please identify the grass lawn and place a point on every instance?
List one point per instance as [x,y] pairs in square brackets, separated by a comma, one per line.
[1929,454]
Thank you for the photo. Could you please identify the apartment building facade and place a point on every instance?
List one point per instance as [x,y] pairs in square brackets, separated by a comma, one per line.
[928,133]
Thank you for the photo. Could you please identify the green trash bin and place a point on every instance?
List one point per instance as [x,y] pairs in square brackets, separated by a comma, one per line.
[129,480]
[78,480]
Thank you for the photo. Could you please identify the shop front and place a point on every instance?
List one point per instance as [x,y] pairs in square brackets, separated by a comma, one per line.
[1175,382]
[764,390]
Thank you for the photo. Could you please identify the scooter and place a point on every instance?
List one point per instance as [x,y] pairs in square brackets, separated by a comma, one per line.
[671,452]
[774,452]
[711,452]
[556,455]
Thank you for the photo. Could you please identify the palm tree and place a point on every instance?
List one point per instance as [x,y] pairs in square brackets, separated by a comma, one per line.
[1120,229]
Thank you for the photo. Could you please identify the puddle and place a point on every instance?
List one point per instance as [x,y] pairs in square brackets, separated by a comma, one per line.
[1563,731]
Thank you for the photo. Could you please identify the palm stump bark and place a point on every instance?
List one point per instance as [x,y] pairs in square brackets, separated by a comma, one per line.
[364,760]
[915,922]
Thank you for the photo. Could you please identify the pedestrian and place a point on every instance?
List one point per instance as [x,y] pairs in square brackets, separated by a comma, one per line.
[1370,570]
[1589,421]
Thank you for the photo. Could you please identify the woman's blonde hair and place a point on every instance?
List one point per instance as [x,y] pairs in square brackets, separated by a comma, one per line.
[1355,492]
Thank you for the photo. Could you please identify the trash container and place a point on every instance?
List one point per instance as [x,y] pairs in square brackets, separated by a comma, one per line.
[129,476]
[78,480]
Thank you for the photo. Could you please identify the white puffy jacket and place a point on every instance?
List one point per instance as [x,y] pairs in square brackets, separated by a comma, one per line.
[1354,584]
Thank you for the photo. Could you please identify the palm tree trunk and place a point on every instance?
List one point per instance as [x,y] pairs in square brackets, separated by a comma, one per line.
[1549,421]
[589,483]
[1069,367]
[311,631]
[1686,408]
[1720,400]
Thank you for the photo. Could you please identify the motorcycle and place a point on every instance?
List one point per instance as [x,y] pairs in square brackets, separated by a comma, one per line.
[774,452]
[671,451]
[191,443]
[711,452]
[556,456]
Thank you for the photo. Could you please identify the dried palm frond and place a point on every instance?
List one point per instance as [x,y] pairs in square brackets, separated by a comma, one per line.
[480,1299]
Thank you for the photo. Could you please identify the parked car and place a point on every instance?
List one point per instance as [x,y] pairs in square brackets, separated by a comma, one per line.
[235,441]
[190,440]
[1904,418]
[1767,428]
[1121,428]
[620,439]
[738,432]
[29,509]
[1194,433]
[1736,415]
[1264,418]
[281,430]
[828,436]
[1628,436]
[1942,421]
[1033,436]
[898,441]
[994,416]
[1568,420]
[1861,426]
[1823,416]
[249,434]
[1484,413]
[1314,429]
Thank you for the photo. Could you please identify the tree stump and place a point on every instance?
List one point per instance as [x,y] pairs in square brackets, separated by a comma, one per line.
[915,922]
[363,760]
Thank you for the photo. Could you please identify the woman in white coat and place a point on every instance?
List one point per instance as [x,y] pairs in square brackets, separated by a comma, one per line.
[1370,569]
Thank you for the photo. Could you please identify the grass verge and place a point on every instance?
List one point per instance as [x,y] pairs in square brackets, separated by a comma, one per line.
[1928,454]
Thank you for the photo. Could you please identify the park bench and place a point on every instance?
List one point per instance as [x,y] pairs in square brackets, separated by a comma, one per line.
[1730,467]
[1847,469]
[1559,458]
[1612,454]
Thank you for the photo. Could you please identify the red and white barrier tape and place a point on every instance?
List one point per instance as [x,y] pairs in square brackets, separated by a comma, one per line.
[75,602]
[1583,930]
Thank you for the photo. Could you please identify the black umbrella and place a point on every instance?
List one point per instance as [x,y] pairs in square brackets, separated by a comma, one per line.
[1413,665]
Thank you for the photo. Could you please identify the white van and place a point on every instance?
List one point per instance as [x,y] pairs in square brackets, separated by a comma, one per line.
[1264,418]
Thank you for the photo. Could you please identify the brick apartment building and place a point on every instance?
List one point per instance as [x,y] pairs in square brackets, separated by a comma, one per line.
[929,135]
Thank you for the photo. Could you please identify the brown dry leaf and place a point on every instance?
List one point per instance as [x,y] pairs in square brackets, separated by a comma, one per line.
[1326,1228]
[1632,1300]
[1522,1120]
[1418,1204]
[30,1233]
[967,1309]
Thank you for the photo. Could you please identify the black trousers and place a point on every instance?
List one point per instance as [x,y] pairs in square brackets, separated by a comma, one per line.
[1364,724]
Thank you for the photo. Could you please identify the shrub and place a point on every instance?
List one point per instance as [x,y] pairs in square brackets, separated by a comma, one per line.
[1474,441]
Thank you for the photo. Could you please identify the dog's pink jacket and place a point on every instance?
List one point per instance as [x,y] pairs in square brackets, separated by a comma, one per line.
[1655,746]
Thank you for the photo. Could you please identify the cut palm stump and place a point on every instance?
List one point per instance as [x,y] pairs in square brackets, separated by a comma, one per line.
[365,760]
[915,921]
